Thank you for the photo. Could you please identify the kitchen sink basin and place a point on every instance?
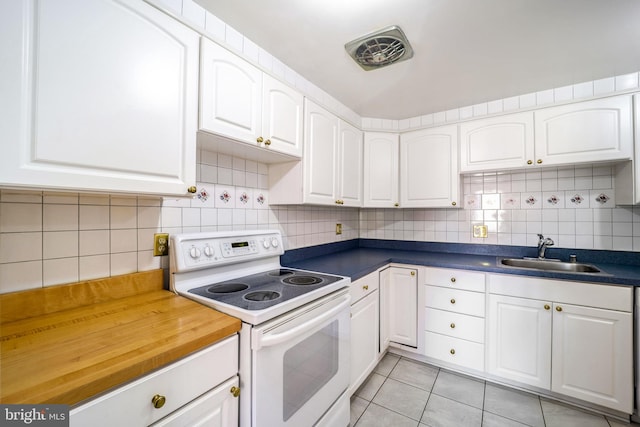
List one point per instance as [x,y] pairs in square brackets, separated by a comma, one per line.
[549,265]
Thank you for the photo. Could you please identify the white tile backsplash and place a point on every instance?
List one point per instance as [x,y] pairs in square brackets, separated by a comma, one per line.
[20,217]
[570,214]
[94,267]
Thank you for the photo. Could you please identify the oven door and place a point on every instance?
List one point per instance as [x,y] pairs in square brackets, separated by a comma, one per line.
[300,363]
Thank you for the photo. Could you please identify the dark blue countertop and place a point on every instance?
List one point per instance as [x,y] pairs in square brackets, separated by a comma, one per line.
[358,257]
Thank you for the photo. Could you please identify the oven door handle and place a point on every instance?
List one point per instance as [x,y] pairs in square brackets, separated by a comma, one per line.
[262,340]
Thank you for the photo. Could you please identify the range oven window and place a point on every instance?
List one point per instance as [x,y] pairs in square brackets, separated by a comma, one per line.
[308,366]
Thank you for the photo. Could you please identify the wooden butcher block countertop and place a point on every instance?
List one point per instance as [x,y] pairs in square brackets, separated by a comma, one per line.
[65,344]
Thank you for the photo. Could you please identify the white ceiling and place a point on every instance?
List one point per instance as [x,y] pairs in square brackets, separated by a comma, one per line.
[466,51]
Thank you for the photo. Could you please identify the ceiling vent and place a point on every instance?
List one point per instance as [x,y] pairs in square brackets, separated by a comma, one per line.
[379,49]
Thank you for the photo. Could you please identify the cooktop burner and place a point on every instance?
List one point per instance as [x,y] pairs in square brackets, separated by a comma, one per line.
[302,280]
[262,296]
[280,272]
[262,290]
[227,288]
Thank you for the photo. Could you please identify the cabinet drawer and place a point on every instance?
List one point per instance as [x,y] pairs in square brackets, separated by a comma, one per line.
[363,286]
[464,302]
[218,407]
[179,383]
[453,350]
[456,279]
[455,325]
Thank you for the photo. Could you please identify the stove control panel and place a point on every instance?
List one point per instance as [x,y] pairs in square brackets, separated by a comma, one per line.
[244,247]
[203,250]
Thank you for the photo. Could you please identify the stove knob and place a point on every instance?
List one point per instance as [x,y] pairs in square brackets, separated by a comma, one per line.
[265,243]
[274,242]
[195,253]
[208,251]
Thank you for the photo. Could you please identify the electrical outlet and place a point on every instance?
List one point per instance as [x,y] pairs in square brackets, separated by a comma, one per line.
[480,231]
[338,228]
[160,244]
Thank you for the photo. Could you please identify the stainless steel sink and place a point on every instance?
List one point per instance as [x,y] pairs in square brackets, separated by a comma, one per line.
[549,265]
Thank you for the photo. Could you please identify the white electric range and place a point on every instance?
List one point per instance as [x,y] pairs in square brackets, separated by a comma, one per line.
[294,342]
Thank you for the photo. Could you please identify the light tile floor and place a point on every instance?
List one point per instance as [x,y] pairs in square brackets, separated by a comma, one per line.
[402,392]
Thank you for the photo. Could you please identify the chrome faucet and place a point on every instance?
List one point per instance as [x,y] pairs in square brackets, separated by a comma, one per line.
[543,243]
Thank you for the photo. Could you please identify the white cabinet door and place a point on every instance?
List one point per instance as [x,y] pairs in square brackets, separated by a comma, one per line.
[216,408]
[385,289]
[331,170]
[364,339]
[282,117]
[87,108]
[429,176]
[519,340]
[502,142]
[181,383]
[592,355]
[380,170]
[591,131]
[230,94]
[627,177]
[349,179]
[402,306]
[320,154]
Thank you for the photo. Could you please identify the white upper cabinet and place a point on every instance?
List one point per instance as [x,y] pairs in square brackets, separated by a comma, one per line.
[282,117]
[349,180]
[496,143]
[627,175]
[230,94]
[429,174]
[380,170]
[97,96]
[239,101]
[320,158]
[330,172]
[582,132]
[592,131]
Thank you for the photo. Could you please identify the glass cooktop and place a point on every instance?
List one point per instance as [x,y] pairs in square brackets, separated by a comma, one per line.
[266,289]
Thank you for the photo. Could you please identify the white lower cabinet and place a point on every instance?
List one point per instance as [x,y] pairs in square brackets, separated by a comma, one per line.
[520,340]
[575,339]
[365,315]
[592,355]
[187,392]
[399,306]
[555,337]
[454,321]
[216,408]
